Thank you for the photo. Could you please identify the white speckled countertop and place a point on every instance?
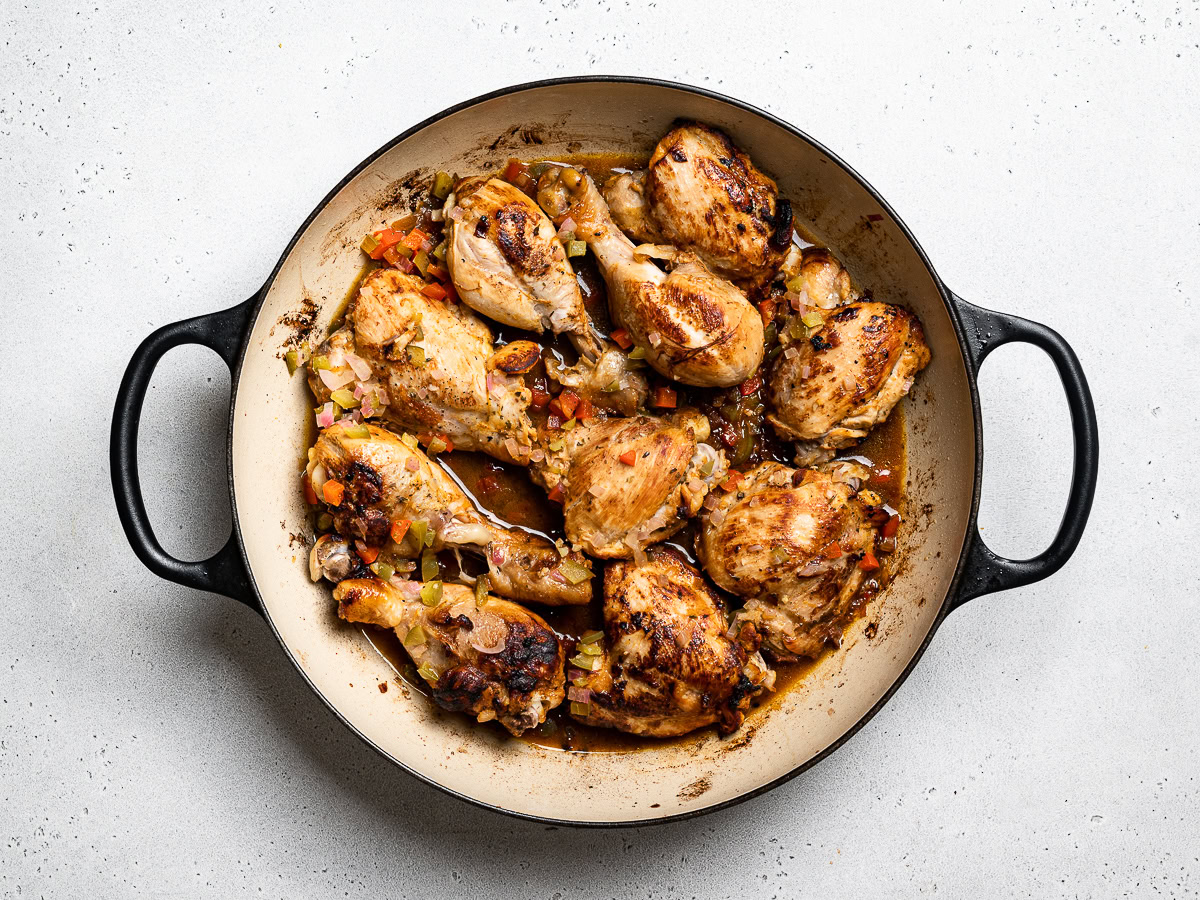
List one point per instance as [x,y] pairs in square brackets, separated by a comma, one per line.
[155,158]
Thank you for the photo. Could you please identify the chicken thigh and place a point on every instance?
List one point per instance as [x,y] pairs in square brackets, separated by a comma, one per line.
[665,665]
[845,378]
[496,661]
[702,193]
[507,263]
[789,541]
[370,479]
[693,325]
[628,483]
[433,359]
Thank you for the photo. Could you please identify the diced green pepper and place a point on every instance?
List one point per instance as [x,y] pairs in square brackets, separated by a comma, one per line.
[576,248]
[369,244]
[442,182]
[574,572]
[796,328]
[770,334]
[795,284]
[431,593]
[556,444]
[590,649]
[430,570]
[320,362]
[580,709]
[812,319]
[415,637]
[410,441]
[436,446]
[344,398]
[428,672]
[416,355]
[421,261]
[418,530]
[707,468]
[382,570]
[356,430]
[637,353]
[590,663]
[569,425]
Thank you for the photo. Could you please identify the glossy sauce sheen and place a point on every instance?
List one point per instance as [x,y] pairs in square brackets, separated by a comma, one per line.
[506,492]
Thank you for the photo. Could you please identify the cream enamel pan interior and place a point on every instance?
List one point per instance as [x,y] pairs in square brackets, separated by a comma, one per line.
[270,413]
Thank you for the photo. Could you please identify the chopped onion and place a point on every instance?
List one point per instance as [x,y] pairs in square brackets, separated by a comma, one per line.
[791,353]
[579,694]
[360,366]
[497,555]
[537,455]
[567,226]
[325,416]
[711,501]
[908,383]
[334,379]
[596,490]
[457,213]
[437,215]
[805,371]
[337,358]
[427,246]
[717,517]
[511,446]
[695,485]
[654,338]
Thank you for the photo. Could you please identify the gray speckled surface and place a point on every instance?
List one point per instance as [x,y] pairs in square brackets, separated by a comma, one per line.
[153,162]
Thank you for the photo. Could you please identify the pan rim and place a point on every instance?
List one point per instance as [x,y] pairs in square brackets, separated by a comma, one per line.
[951,309]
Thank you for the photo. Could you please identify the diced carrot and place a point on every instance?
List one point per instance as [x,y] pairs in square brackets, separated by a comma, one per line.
[557,493]
[664,397]
[766,309]
[414,239]
[750,385]
[629,457]
[868,563]
[449,443]
[584,410]
[622,338]
[310,496]
[436,291]
[891,526]
[834,550]
[365,553]
[399,529]
[333,491]
[439,273]
[731,481]
[451,293]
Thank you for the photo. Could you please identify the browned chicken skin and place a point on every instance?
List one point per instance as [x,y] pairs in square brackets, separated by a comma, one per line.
[497,662]
[433,358]
[507,263]
[666,665]
[846,377]
[702,193]
[694,326]
[613,509]
[788,541]
[386,479]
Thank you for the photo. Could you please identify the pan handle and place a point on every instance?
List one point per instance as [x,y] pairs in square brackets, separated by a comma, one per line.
[225,572]
[985,572]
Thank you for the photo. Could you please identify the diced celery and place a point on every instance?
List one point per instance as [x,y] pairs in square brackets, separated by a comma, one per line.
[439,252]
[428,672]
[812,319]
[431,593]
[580,709]
[369,244]
[410,440]
[795,284]
[707,468]
[796,329]
[356,430]
[576,248]
[556,444]
[292,358]
[421,261]
[320,362]
[416,355]
[382,570]
[637,353]
[415,637]
[436,445]
[569,425]
[418,530]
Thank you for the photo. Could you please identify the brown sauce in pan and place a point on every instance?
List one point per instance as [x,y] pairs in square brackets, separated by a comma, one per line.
[506,492]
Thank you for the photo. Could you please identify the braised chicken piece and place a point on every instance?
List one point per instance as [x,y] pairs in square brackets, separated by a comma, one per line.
[665,665]
[496,662]
[845,378]
[789,541]
[628,483]
[702,193]
[507,262]
[432,359]
[693,325]
[370,479]
[612,382]
[823,281]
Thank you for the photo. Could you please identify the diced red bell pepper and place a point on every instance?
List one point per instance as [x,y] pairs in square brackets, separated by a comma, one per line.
[664,397]
[333,491]
[584,410]
[629,457]
[731,481]
[434,291]
[387,239]
[891,526]
[557,494]
[365,553]
[622,338]
[513,170]
[399,529]
[868,563]
[414,239]
[750,385]
[766,309]
[439,273]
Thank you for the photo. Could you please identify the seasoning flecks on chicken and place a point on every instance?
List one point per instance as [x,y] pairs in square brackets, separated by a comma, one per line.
[496,662]
[614,507]
[695,326]
[507,262]
[384,479]
[666,665]
[789,542]
[702,193]
[845,378]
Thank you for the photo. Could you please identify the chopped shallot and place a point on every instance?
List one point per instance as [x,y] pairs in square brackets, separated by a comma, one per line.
[325,416]
[654,338]
[510,445]
[567,227]
[457,213]
[791,353]
[362,369]
[335,379]
[579,694]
